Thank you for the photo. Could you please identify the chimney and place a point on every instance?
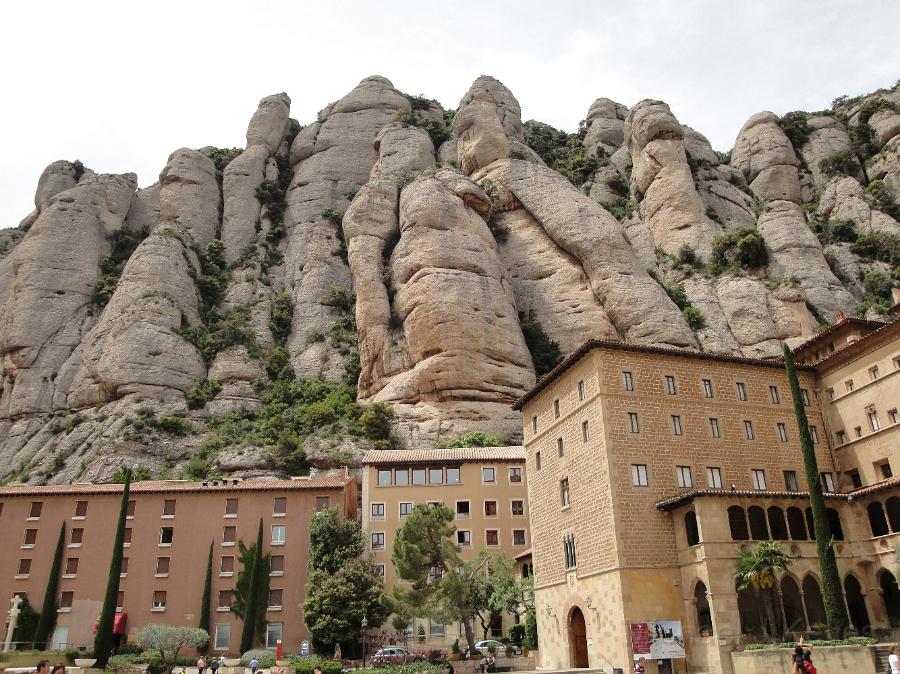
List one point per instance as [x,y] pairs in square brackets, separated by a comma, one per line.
[895,294]
[839,316]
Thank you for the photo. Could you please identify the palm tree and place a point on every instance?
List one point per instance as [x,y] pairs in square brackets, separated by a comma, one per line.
[758,569]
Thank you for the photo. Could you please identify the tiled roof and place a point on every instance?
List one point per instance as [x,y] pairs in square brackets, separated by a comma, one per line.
[640,348]
[872,488]
[846,321]
[377,457]
[525,554]
[688,496]
[883,329]
[167,486]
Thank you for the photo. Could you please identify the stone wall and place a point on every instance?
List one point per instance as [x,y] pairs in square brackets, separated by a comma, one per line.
[855,659]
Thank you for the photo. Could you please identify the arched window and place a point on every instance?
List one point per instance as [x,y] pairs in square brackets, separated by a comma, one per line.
[877,520]
[793,605]
[892,505]
[796,523]
[856,603]
[810,524]
[890,593]
[690,528]
[737,522]
[759,530]
[815,607]
[777,525]
[834,523]
[704,615]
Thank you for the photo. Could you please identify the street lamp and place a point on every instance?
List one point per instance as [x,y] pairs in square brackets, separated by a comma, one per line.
[365,625]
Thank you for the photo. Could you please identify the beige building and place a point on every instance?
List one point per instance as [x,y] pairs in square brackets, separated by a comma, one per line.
[484,487]
[170,526]
[649,470]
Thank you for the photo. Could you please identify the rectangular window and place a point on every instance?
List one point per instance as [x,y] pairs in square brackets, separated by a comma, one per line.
[581,390]
[226,566]
[790,480]
[873,373]
[379,570]
[279,506]
[436,475]
[24,568]
[885,468]
[436,629]
[804,396]
[277,565]
[464,537]
[848,385]
[670,385]
[80,510]
[384,478]
[488,475]
[855,479]
[892,415]
[633,425]
[490,508]
[162,566]
[814,434]
[77,538]
[748,429]
[827,482]
[378,540]
[684,476]
[556,408]
[225,599]
[378,511]
[34,511]
[858,431]
[129,513]
[830,393]
[569,551]
[231,507]
[518,537]
[491,537]
[65,600]
[534,424]
[714,427]
[275,599]
[759,479]
[168,508]
[714,477]
[517,507]
[676,425]
[564,491]
[741,391]
[585,433]
[774,395]
[120,600]
[841,438]
[126,538]
[639,475]
[279,534]
[782,431]
[229,535]
[560,449]
[873,420]
[124,570]
[537,460]
[462,509]
[30,538]
[515,476]
[166,534]
[322,503]
[159,600]
[418,476]
[707,388]
[627,381]
[453,476]
[273,635]
[71,569]
[223,637]
[401,477]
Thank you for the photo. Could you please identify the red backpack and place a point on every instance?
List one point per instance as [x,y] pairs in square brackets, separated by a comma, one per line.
[808,666]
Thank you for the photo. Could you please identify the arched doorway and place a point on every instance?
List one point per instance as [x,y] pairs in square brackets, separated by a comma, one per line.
[578,639]
[793,605]
[856,603]
[890,593]
[892,506]
[704,615]
[815,606]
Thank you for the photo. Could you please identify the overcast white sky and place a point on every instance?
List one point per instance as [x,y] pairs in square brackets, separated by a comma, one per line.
[121,84]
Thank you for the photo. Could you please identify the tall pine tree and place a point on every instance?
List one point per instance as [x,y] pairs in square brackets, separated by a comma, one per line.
[207,592]
[835,611]
[252,606]
[48,610]
[103,641]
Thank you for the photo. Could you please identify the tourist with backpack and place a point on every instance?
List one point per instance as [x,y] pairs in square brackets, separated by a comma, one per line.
[803,659]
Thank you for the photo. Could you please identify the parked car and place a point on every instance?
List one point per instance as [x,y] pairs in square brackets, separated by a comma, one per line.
[482,648]
[394,655]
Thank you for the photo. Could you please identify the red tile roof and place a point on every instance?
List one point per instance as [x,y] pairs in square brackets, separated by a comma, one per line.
[377,457]
[846,321]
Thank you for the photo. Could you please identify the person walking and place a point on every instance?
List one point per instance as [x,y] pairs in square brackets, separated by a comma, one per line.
[254,665]
[214,665]
[639,666]
[201,665]
[43,667]
[803,659]
[894,659]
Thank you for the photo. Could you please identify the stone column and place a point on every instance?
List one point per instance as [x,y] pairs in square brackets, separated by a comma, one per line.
[14,612]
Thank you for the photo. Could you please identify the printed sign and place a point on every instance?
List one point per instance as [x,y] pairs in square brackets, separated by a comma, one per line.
[304,648]
[657,640]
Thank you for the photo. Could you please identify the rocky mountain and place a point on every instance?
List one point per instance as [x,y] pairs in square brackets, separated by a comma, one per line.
[396,274]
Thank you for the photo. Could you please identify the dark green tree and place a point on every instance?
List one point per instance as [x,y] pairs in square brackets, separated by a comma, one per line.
[252,602]
[48,610]
[28,621]
[103,641]
[207,592]
[334,541]
[246,557]
[835,611]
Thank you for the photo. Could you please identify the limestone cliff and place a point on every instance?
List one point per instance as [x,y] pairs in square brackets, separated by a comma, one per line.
[394,273]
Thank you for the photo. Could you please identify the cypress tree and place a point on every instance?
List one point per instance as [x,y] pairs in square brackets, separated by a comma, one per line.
[252,606]
[207,591]
[103,641]
[835,611]
[48,610]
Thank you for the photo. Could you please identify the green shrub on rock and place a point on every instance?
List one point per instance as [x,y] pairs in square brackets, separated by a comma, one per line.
[743,247]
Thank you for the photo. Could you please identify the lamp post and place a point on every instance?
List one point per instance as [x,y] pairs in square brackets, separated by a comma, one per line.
[365,625]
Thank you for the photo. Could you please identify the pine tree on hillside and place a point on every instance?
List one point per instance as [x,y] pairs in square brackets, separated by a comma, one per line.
[48,610]
[103,641]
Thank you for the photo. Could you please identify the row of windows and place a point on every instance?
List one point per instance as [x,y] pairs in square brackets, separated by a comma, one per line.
[882,468]
[684,477]
[764,525]
[464,538]
[715,428]
[874,424]
[160,598]
[873,374]
[463,508]
[403,477]
[222,636]
[166,536]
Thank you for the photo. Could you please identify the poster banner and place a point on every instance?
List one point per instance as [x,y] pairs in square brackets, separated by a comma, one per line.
[657,640]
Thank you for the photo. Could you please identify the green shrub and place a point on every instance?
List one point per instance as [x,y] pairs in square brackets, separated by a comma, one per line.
[694,317]
[713,215]
[617,184]
[306,664]
[333,216]
[743,247]
[471,439]
[835,231]
[201,392]
[340,298]
[861,134]
[796,127]
[878,246]
[840,163]
[223,330]
[621,208]
[282,317]
[564,152]
[884,200]
[687,257]
[376,421]
[437,130]
[878,285]
[545,353]
[265,657]
[278,363]
[103,289]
